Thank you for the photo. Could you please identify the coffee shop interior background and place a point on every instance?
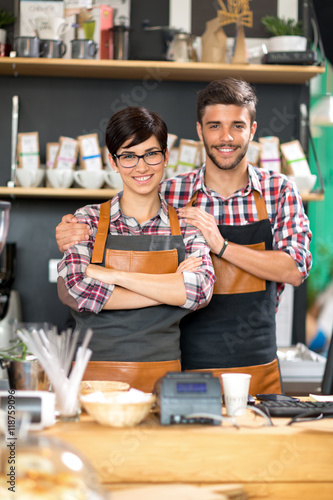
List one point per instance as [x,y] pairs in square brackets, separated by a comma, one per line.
[62,106]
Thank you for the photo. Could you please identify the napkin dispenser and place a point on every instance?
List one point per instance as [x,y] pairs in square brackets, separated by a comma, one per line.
[40,405]
[185,397]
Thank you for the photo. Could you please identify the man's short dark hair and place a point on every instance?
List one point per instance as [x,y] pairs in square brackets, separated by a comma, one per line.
[228,91]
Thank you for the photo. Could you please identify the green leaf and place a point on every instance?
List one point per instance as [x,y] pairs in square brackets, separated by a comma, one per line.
[6,18]
[278,26]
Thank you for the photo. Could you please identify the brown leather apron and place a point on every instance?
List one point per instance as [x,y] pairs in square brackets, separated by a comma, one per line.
[236,331]
[137,346]
[265,379]
[140,375]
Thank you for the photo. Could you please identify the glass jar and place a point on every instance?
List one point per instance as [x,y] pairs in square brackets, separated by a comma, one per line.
[46,468]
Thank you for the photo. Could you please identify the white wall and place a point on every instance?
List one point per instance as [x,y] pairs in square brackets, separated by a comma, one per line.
[180,12]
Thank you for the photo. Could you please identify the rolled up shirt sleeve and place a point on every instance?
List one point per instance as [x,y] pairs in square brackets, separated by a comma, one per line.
[89,294]
[291,229]
[199,284]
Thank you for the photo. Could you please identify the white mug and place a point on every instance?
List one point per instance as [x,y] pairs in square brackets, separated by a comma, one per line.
[113,179]
[60,178]
[27,177]
[90,179]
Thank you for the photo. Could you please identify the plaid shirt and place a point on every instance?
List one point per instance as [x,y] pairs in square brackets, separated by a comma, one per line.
[289,223]
[91,294]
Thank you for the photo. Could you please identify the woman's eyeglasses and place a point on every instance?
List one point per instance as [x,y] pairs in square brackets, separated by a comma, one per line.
[129,160]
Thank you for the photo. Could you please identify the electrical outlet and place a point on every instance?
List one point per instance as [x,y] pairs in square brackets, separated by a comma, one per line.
[53,273]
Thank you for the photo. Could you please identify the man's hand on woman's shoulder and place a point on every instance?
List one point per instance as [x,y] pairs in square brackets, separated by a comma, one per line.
[69,232]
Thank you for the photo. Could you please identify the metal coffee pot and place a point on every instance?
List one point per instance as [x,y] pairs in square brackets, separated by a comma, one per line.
[181,48]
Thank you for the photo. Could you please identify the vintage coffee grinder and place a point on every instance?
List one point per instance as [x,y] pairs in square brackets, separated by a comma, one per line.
[10,306]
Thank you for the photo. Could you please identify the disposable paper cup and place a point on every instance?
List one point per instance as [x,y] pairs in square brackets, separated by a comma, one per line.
[235,390]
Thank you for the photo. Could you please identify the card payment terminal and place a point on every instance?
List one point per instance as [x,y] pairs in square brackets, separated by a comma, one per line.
[182,394]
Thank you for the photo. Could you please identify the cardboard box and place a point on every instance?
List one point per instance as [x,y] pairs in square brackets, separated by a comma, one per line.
[90,152]
[67,153]
[28,150]
[253,153]
[189,155]
[51,153]
[270,153]
[294,159]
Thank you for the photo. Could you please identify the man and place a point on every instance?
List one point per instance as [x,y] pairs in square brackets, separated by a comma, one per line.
[254,222]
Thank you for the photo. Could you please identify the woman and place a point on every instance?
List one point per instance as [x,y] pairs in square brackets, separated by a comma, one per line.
[129,281]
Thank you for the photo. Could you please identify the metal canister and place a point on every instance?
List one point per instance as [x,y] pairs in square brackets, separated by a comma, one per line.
[120,35]
[26,375]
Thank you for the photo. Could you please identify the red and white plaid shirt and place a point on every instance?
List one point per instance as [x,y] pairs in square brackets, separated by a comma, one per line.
[91,294]
[290,225]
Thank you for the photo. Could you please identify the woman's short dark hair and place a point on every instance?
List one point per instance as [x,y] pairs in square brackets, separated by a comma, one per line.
[135,123]
[227,91]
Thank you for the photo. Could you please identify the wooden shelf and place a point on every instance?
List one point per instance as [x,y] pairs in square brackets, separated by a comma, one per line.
[49,192]
[156,70]
[105,194]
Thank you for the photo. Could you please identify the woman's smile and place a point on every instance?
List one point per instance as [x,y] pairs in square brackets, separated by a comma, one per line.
[142,179]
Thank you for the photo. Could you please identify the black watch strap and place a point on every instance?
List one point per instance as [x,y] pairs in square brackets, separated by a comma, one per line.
[225,244]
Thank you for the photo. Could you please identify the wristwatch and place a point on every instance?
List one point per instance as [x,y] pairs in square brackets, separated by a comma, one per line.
[225,244]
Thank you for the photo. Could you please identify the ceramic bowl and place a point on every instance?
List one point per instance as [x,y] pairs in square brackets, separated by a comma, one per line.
[60,178]
[29,177]
[306,183]
[113,179]
[89,179]
[115,410]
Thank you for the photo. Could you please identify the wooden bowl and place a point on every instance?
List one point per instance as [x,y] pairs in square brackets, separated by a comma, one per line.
[118,414]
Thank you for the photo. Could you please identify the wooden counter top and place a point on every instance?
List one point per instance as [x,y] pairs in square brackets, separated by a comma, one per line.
[265,460]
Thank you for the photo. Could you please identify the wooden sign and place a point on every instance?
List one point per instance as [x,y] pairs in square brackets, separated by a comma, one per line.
[236,11]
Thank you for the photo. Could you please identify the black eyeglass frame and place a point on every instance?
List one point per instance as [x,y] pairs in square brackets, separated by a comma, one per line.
[139,157]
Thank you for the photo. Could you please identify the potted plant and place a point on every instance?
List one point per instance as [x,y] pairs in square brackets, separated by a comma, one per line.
[287,34]
[6,19]
[24,370]
[17,352]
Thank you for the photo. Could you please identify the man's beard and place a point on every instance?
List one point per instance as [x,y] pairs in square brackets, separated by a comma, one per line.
[230,166]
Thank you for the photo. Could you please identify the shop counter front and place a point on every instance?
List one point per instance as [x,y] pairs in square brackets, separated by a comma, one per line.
[269,462]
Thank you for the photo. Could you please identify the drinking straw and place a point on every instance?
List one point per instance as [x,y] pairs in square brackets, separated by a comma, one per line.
[56,356]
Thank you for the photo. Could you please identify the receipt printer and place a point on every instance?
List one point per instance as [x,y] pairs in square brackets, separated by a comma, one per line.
[39,405]
[189,397]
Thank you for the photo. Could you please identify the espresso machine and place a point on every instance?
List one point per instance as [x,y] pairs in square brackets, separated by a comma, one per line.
[10,305]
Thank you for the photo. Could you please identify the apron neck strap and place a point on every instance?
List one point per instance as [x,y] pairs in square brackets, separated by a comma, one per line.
[260,205]
[174,222]
[193,200]
[102,232]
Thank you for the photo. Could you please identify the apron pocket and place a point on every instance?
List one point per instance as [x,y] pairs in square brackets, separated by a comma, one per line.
[231,279]
[158,262]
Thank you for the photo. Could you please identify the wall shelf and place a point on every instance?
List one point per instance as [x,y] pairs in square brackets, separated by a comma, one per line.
[49,192]
[156,70]
[103,194]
